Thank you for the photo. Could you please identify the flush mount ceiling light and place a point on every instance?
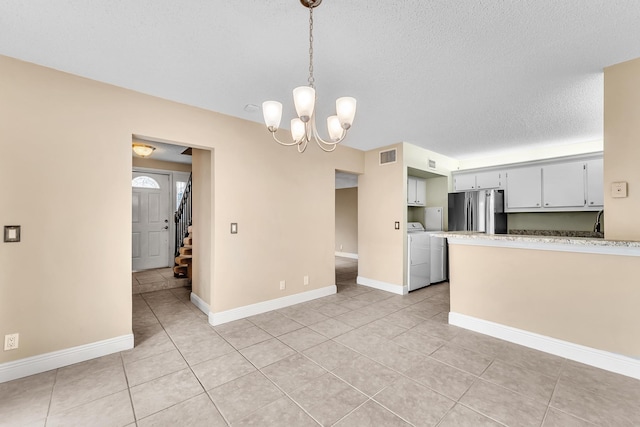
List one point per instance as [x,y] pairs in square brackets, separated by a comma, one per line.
[142,150]
[303,128]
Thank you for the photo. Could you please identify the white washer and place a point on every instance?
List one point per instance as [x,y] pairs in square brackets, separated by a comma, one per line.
[418,257]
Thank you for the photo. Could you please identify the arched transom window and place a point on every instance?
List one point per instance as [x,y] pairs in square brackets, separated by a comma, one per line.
[144,182]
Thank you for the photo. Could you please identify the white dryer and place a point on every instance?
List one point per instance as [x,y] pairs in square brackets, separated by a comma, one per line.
[418,257]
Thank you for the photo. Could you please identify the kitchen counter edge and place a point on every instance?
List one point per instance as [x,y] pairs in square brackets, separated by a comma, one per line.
[553,243]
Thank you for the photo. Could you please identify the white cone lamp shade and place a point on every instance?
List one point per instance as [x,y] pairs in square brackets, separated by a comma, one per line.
[298,129]
[272,112]
[304,98]
[346,109]
[335,128]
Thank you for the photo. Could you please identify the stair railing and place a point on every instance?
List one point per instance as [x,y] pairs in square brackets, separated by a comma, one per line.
[182,217]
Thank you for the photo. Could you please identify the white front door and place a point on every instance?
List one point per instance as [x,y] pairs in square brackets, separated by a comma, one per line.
[150,216]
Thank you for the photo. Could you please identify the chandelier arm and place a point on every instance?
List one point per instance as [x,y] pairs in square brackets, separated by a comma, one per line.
[302,146]
[320,141]
[288,144]
[327,150]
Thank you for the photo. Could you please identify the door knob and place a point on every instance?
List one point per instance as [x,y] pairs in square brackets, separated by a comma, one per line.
[166,227]
[166,221]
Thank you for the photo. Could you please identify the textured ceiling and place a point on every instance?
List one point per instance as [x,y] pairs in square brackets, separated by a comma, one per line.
[463,78]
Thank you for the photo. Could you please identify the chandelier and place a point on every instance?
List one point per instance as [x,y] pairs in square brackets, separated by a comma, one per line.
[303,128]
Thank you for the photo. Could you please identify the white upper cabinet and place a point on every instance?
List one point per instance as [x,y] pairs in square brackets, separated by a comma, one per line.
[416,191]
[524,188]
[595,188]
[563,185]
[477,180]
[464,182]
[572,183]
[490,179]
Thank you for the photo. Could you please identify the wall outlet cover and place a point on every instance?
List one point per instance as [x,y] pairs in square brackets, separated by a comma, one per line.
[11,341]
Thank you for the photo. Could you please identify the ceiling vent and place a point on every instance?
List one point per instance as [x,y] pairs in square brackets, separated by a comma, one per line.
[432,163]
[388,156]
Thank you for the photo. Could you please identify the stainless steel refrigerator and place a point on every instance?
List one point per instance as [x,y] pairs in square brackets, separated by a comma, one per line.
[481,211]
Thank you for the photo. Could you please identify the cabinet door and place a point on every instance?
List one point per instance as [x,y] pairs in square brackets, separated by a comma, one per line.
[563,185]
[492,179]
[421,192]
[463,182]
[524,188]
[595,188]
[411,190]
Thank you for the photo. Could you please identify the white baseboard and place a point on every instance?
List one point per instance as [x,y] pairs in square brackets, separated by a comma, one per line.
[347,255]
[383,286]
[216,319]
[198,302]
[613,362]
[57,359]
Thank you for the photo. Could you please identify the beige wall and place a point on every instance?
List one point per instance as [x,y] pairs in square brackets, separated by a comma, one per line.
[65,171]
[202,209]
[437,195]
[575,221]
[587,299]
[381,202]
[139,162]
[622,148]
[347,220]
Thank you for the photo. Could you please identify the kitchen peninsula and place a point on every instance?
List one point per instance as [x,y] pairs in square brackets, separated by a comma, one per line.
[574,297]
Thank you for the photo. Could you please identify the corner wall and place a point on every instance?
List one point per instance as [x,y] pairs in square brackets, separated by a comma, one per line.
[622,149]
[382,202]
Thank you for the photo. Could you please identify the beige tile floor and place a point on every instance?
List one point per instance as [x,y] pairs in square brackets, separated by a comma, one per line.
[155,280]
[361,357]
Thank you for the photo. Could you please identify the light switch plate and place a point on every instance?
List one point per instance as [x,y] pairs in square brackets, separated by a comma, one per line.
[234,228]
[11,233]
[619,189]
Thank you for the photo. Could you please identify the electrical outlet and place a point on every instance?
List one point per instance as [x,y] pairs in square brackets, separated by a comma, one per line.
[283,285]
[306,280]
[11,341]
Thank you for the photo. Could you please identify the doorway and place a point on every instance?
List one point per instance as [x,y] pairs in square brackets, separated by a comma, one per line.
[346,229]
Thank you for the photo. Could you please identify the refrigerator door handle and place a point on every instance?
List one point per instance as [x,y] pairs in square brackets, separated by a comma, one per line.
[471,218]
[489,213]
[469,214]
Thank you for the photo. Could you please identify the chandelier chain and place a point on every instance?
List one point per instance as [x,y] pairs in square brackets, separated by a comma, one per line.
[311,78]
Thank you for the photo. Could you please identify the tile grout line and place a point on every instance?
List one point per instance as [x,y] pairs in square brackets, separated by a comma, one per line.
[126,378]
[53,386]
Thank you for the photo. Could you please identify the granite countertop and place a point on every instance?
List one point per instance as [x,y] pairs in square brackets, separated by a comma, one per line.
[562,240]
[558,233]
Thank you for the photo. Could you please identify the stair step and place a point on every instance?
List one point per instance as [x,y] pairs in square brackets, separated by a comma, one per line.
[185,250]
[190,229]
[184,259]
[188,241]
[181,269]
